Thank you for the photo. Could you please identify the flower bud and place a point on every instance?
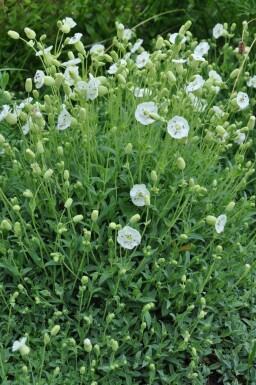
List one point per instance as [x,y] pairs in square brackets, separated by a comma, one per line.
[28,85]
[17,229]
[30,33]
[87,345]
[46,338]
[181,163]
[183,237]
[114,345]
[24,350]
[39,148]
[11,118]
[135,218]
[30,154]
[110,317]
[251,123]
[16,208]
[102,90]
[49,81]
[68,203]
[2,139]
[128,149]
[6,225]
[211,220]
[171,77]
[147,200]
[55,330]
[234,73]
[82,114]
[84,280]
[112,226]
[94,215]
[48,173]
[82,370]
[230,206]
[121,79]
[14,35]
[78,218]
[184,28]
[159,42]
[28,194]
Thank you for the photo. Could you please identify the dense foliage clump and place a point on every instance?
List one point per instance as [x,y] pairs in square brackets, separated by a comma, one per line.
[127,221]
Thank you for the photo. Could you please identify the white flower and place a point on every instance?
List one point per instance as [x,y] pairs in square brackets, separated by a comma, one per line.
[179,61]
[218,31]
[178,127]
[75,38]
[5,111]
[128,238]
[251,82]
[136,46]
[97,49]
[196,84]
[142,59]
[26,128]
[127,55]
[242,100]
[44,51]
[225,136]
[173,36]
[112,69]
[127,34]
[140,92]
[39,78]
[68,79]
[91,87]
[64,120]
[197,57]
[202,48]
[72,62]
[220,223]
[138,193]
[142,112]
[18,344]
[213,75]
[21,346]
[199,104]
[218,110]
[69,21]
[240,137]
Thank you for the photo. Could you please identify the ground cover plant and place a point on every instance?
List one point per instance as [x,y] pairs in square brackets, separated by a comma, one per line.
[127,213]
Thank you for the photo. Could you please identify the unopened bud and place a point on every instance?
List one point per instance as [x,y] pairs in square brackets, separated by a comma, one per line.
[135,218]
[94,215]
[251,123]
[14,35]
[128,149]
[68,203]
[48,174]
[55,330]
[211,220]
[49,81]
[87,345]
[28,85]
[181,163]
[147,200]
[234,73]
[78,218]
[30,33]
[230,206]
